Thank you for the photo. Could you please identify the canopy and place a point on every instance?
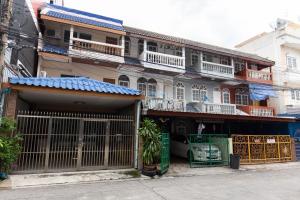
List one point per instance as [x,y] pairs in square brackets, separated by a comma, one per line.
[260,92]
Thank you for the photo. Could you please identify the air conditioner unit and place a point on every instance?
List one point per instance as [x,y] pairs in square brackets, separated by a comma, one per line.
[43,74]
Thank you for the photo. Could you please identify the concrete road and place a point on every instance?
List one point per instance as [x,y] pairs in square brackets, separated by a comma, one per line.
[242,185]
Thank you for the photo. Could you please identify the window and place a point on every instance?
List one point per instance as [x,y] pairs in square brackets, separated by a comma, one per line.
[51,33]
[241,97]
[178,51]
[140,46]
[152,88]
[67,36]
[142,85]
[207,57]
[195,93]
[203,93]
[124,81]
[152,46]
[180,91]
[112,40]
[127,45]
[194,59]
[109,80]
[239,65]
[296,95]
[83,36]
[226,96]
[224,60]
[291,62]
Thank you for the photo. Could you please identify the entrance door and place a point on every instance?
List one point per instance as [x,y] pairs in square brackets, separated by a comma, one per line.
[217,95]
[165,153]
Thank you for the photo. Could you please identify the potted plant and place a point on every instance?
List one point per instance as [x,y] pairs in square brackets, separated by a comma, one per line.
[151,136]
[10,147]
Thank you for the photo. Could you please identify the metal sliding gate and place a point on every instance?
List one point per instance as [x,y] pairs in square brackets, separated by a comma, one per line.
[208,150]
[165,153]
[67,142]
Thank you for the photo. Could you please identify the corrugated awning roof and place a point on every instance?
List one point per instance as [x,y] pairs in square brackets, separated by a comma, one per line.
[54,49]
[82,17]
[77,84]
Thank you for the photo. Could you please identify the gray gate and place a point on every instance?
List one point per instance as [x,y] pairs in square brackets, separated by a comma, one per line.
[67,142]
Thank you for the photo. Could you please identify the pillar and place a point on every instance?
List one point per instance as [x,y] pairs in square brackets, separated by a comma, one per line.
[138,163]
[145,49]
[71,37]
[123,45]
[11,105]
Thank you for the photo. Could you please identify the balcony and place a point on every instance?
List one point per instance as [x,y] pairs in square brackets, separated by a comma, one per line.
[259,76]
[165,62]
[96,50]
[164,104]
[217,70]
[260,111]
[180,106]
[226,109]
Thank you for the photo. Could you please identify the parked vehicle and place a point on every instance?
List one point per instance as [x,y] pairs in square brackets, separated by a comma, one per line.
[180,146]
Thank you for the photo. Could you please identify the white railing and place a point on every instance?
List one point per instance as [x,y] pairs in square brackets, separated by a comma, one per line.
[217,69]
[164,59]
[164,104]
[260,75]
[87,45]
[7,73]
[262,111]
[229,109]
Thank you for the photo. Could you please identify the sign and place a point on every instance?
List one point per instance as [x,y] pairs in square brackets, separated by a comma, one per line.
[271,141]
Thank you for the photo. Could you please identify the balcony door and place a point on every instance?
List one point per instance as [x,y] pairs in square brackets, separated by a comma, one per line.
[217,95]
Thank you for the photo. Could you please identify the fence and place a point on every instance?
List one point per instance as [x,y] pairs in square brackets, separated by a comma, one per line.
[67,141]
[262,148]
[208,150]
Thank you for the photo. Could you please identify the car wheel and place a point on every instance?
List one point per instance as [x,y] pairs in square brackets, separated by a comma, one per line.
[190,156]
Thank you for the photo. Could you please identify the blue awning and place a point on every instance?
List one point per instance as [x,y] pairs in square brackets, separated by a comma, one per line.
[260,92]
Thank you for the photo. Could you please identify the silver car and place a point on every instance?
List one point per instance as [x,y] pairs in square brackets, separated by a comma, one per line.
[196,151]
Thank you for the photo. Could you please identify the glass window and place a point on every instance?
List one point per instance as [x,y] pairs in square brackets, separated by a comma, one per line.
[207,57]
[293,94]
[51,33]
[226,96]
[194,60]
[140,46]
[196,93]
[152,46]
[241,97]
[152,88]
[203,93]
[127,45]
[112,40]
[124,81]
[142,85]
[180,91]
[67,36]
[291,62]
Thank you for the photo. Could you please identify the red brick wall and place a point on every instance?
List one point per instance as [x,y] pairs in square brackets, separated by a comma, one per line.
[11,105]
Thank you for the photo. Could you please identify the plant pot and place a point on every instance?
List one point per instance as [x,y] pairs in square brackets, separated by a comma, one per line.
[3,176]
[149,170]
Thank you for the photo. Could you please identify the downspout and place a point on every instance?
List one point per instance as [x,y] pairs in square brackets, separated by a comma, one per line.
[137,126]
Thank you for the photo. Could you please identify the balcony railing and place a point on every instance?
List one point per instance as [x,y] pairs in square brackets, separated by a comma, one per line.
[164,104]
[163,59]
[216,69]
[87,45]
[260,76]
[229,109]
[261,111]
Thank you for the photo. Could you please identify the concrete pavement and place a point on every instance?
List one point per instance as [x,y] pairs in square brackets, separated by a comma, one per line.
[276,184]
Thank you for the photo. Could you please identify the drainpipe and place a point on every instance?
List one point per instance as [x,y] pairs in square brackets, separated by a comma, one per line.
[137,126]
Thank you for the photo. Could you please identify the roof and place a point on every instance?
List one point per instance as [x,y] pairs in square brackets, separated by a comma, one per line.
[54,49]
[78,84]
[82,17]
[251,39]
[297,116]
[195,44]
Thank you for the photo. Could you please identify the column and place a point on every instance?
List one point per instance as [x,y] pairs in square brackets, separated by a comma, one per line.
[145,49]
[71,37]
[183,56]
[123,45]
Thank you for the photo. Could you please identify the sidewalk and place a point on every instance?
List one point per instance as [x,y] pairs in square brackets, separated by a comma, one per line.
[175,170]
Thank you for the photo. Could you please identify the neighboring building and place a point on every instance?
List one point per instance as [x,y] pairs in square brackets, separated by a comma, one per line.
[283,46]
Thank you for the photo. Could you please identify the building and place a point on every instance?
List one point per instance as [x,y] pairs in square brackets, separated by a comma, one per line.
[282,46]
[94,71]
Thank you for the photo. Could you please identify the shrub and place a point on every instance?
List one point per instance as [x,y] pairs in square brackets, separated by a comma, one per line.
[151,136]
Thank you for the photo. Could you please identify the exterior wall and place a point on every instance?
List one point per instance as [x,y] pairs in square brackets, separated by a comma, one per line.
[56,69]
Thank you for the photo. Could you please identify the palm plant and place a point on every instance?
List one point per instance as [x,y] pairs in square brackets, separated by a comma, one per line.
[151,136]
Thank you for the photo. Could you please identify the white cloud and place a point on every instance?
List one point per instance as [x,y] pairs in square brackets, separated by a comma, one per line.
[220,22]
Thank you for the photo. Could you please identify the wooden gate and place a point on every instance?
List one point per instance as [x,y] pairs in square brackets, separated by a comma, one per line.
[262,148]
[66,141]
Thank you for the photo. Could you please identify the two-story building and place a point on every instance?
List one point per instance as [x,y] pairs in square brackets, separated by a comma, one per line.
[282,46]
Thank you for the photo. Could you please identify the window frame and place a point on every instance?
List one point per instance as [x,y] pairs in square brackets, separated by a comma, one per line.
[180,90]
[152,88]
[243,96]
[196,93]
[226,92]
[123,82]
[291,62]
[196,55]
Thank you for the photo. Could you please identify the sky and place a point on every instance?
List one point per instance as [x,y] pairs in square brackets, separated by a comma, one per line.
[218,22]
